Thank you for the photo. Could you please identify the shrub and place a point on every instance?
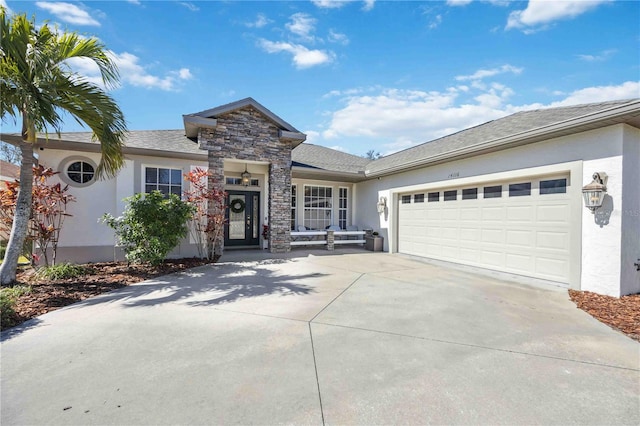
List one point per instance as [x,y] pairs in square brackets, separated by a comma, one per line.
[63,271]
[151,226]
[8,298]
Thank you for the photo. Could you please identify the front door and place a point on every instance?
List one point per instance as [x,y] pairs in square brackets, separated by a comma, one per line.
[243,219]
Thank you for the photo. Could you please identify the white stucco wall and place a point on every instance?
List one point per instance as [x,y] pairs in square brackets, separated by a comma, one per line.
[83,237]
[581,154]
[630,252]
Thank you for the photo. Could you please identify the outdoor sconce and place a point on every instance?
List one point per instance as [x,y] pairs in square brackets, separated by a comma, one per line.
[594,192]
[246,177]
[382,204]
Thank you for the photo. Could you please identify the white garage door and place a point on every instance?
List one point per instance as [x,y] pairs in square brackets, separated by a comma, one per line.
[519,226]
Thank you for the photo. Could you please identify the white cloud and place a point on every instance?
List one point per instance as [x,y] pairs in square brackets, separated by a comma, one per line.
[3,3]
[458,2]
[136,2]
[480,74]
[330,4]
[261,21]
[312,136]
[302,56]
[368,5]
[192,7]
[185,74]
[131,72]
[627,90]
[339,148]
[68,12]
[602,56]
[435,22]
[302,25]
[539,13]
[421,116]
[336,37]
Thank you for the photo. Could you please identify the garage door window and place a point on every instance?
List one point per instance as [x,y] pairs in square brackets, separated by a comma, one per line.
[418,198]
[470,194]
[406,199]
[554,186]
[493,191]
[450,195]
[520,189]
[434,197]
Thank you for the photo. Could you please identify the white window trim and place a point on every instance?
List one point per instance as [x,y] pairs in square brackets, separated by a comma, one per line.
[143,173]
[346,209]
[64,164]
[333,203]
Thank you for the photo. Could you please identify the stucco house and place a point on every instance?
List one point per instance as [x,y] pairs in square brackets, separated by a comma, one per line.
[505,196]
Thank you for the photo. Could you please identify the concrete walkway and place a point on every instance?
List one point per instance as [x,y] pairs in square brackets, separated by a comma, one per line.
[344,338]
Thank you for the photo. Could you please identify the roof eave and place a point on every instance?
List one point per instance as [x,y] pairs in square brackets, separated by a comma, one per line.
[300,172]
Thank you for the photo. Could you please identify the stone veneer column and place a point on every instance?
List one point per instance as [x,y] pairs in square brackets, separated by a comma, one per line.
[216,180]
[246,134]
[280,206]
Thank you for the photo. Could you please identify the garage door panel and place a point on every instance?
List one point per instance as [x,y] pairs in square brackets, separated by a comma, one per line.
[552,268]
[495,236]
[522,238]
[493,214]
[493,258]
[524,213]
[470,255]
[520,262]
[469,234]
[472,213]
[528,235]
[553,240]
[554,214]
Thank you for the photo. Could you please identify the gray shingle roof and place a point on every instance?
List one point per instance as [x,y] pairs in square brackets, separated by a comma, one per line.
[320,157]
[162,140]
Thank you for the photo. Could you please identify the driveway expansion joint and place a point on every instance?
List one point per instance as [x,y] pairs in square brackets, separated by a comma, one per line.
[471,345]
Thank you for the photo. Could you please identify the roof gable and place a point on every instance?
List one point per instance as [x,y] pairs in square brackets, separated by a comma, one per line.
[207,118]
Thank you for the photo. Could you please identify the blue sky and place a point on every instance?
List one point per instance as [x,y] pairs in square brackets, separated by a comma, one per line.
[357,75]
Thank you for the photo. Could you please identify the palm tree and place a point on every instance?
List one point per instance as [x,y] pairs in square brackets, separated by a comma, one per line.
[37,85]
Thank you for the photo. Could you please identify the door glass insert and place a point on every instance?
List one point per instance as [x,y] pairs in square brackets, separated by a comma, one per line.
[255,216]
[237,211]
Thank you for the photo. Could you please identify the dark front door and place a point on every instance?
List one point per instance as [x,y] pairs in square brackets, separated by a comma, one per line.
[243,219]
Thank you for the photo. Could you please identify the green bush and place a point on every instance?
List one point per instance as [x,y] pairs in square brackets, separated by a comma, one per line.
[63,271]
[8,297]
[151,226]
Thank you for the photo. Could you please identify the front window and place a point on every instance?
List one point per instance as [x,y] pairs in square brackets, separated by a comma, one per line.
[317,207]
[342,208]
[80,172]
[167,181]
[294,203]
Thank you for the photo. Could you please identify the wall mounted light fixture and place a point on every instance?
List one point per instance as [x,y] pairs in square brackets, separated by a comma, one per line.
[246,177]
[594,192]
[382,204]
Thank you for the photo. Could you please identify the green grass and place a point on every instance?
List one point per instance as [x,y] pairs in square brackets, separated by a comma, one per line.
[63,271]
[8,297]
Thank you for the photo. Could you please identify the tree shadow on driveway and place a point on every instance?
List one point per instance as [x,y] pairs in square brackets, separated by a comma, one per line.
[212,285]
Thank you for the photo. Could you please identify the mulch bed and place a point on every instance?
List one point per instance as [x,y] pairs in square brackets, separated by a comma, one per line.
[622,314]
[47,295]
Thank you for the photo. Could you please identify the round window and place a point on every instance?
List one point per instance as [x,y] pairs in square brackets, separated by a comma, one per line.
[80,172]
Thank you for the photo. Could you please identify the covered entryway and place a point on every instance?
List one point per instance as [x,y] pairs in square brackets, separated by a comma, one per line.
[519,226]
[243,219]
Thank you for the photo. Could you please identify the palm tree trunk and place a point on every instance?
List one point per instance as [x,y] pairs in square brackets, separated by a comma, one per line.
[21,219]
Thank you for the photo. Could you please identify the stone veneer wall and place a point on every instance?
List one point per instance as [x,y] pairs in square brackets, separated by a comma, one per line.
[246,134]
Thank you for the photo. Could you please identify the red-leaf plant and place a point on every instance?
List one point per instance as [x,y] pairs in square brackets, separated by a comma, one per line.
[209,199]
[48,211]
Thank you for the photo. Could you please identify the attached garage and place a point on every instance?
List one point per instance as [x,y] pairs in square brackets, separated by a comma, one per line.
[519,226]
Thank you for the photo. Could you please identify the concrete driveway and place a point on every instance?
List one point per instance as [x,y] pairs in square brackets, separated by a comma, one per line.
[350,338]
